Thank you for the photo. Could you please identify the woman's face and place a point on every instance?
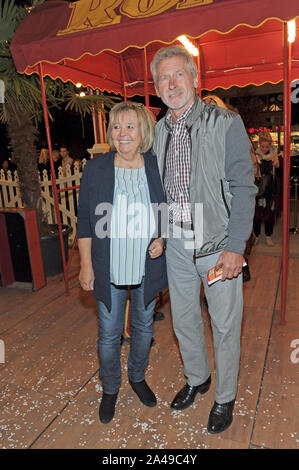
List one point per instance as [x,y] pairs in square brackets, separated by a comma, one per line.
[265,146]
[126,134]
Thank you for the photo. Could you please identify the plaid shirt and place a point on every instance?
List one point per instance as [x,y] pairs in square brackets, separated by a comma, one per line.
[177,171]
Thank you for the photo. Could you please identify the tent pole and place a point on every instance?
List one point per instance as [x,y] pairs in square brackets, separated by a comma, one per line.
[53,176]
[96,127]
[99,129]
[286,166]
[199,71]
[122,65]
[145,78]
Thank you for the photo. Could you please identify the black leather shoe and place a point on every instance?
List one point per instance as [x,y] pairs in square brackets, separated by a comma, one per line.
[221,417]
[186,396]
[107,407]
[144,393]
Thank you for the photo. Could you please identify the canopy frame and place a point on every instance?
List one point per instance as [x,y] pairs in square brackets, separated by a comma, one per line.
[43,66]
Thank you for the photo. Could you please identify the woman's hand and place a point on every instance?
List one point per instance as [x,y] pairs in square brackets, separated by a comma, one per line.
[156,248]
[86,278]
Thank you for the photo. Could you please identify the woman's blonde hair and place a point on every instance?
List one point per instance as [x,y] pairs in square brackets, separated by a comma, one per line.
[43,156]
[146,121]
[214,100]
[265,137]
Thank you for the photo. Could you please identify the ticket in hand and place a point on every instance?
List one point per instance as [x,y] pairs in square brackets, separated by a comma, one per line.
[214,274]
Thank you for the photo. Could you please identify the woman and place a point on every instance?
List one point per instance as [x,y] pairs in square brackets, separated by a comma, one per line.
[268,160]
[43,161]
[116,224]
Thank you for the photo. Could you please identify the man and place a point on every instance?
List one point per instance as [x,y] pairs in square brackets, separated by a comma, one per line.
[66,159]
[204,162]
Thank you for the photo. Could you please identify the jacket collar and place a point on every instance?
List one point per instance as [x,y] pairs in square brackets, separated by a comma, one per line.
[194,116]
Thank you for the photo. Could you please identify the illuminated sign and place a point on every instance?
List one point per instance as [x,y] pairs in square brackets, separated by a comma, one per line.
[88,14]
[252,130]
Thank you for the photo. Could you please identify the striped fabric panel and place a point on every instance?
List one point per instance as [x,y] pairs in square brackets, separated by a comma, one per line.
[132,226]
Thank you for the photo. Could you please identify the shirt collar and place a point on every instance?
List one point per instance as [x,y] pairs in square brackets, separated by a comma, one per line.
[183,117]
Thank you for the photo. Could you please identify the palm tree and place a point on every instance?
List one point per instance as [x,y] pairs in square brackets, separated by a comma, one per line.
[23,107]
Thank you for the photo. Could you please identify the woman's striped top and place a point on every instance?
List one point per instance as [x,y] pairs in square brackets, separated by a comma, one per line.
[132,226]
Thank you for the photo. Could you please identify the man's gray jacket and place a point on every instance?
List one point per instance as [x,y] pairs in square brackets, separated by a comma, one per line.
[222,189]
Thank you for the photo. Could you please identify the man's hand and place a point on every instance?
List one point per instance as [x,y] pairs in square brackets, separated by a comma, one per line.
[231,263]
[156,248]
[86,278]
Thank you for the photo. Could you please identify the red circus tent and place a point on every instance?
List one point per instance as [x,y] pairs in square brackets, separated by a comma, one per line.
[101,43]
[109,44]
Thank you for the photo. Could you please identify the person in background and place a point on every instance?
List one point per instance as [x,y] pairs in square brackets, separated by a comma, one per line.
[57,160]
[268,161]
[204,163]
[115,187]
[43,161]
[214,101]
[8,165]
[78,163]
[5,166]
[66,158]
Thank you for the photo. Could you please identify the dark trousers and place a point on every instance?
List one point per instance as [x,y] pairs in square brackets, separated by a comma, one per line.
[266,215]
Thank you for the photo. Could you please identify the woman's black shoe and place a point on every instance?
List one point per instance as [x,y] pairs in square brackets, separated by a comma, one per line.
[107,407]
[144,393]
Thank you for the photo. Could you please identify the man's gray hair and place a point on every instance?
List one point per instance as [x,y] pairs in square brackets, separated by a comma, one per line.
[172,51]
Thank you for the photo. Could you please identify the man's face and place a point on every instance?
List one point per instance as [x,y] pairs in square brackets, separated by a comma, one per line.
[176,85]
[64,152]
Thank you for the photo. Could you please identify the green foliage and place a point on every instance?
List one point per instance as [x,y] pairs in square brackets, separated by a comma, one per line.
[84,105]
[25,89]
[10,16]
[23,105]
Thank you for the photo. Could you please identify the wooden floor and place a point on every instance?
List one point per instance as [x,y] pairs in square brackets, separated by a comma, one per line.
[50,390]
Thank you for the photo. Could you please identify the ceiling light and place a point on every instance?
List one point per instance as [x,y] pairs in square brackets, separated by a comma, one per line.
[291,30]
[188,45]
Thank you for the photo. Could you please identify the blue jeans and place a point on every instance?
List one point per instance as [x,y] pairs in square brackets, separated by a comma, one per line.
[111,325]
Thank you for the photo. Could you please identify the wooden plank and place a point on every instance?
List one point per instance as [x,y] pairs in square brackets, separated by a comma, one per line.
[18,304]
[24,414]
[55,348]
[292,302]
[53,351]
[277,424]
[23,303]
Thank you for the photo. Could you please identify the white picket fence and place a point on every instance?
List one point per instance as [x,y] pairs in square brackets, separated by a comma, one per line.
[68,200]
